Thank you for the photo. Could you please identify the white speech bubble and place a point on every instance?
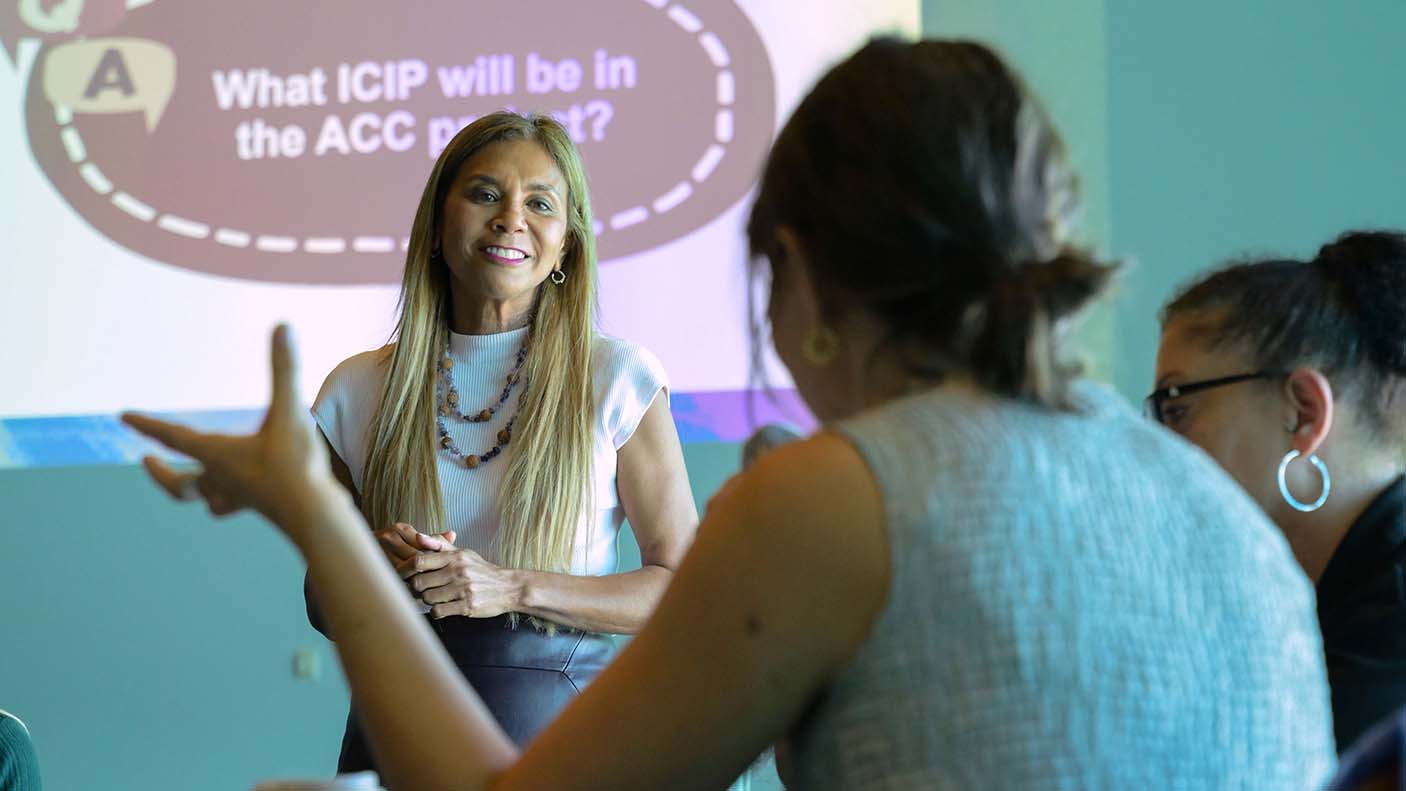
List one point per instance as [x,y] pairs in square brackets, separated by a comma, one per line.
[62,18]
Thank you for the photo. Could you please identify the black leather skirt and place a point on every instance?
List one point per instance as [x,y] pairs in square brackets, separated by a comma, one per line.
[525,676]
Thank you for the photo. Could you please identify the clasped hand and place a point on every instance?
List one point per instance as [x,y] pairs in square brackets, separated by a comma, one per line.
[450,580]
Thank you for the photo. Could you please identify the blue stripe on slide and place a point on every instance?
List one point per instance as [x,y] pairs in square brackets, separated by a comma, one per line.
[64,441]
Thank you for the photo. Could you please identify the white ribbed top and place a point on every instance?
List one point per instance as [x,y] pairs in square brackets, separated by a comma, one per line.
[628,377]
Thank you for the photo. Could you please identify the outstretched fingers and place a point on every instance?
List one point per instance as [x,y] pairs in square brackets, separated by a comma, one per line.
[173,435]
[180,485]
[283,402]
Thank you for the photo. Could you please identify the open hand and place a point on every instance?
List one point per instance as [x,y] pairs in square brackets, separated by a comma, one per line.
[277,470]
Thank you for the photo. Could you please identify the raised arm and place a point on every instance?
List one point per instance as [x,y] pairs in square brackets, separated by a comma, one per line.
[779,589]
[787,575]
[387,650]
[342,473]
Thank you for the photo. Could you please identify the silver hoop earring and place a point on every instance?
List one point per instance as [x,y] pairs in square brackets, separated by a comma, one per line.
[820,346]
[557,276]
[1284,485]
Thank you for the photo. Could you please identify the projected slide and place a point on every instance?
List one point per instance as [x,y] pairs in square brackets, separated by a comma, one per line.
[188,173]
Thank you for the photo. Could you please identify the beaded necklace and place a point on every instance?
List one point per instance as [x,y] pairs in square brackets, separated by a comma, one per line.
[447,401]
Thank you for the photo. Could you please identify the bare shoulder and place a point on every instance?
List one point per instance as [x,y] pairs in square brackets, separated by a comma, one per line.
[814,511]
[815,475]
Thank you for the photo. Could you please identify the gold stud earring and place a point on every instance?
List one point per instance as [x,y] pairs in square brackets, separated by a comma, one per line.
[820,346]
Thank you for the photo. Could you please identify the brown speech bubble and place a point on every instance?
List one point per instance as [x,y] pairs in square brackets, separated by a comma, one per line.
[289,142]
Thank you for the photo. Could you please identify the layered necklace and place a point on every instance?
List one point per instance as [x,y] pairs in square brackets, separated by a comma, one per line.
[447,405]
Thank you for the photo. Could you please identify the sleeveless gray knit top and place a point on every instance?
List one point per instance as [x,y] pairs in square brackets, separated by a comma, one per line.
[1077,601]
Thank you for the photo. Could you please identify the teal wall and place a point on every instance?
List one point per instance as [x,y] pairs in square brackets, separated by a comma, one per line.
[1252,126]
[145,640]
[1060,48]
[1205,130]
[141,639]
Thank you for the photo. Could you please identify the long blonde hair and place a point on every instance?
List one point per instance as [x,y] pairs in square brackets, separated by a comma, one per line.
[546,491]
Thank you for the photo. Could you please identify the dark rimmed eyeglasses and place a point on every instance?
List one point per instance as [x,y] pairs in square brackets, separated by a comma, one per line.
[1157,400]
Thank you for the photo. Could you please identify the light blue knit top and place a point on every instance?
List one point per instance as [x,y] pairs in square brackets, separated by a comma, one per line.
[1077,601]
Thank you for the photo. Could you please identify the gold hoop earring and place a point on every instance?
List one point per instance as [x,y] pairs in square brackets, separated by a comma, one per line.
[821,346]
[557,276]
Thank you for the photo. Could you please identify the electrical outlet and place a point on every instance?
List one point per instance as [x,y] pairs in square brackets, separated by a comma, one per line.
[307,665]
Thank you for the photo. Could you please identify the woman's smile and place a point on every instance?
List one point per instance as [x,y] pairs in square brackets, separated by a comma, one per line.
[505,256]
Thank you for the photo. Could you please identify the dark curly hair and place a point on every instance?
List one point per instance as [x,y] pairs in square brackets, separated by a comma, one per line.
[1343,312]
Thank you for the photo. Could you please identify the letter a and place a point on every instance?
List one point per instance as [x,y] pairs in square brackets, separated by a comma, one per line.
[111,73]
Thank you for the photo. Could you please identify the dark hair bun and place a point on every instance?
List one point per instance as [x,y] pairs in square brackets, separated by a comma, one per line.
[931,190]
[1369,269]
[1066,282]
[1024,303]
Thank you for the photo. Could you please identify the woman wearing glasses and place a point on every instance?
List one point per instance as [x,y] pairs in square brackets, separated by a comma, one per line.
[1292,375]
